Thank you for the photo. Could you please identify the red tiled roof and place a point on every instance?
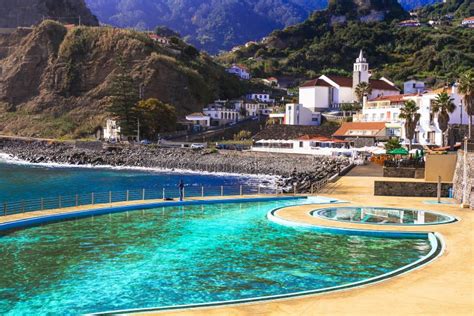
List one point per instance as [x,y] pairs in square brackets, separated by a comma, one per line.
[468,19]
[361,126]
[320,139]
[392,98]
[341,80]
[348,82]
[316,83]
[381,85]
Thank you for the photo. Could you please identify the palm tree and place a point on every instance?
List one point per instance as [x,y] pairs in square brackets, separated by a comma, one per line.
[361,90]
[409,112]
[466,88]
[443,105]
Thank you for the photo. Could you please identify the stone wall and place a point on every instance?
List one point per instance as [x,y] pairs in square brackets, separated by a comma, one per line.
[458,174]
[416,189]
[414,173]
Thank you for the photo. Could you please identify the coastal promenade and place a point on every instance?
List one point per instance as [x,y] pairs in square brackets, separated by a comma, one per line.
[442,287]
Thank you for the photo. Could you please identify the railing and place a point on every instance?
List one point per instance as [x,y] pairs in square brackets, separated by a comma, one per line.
[164,193]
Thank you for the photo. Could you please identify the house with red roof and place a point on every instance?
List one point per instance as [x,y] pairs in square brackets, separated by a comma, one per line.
[468,22]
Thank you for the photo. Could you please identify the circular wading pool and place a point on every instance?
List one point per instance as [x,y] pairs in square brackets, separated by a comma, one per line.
[383,216]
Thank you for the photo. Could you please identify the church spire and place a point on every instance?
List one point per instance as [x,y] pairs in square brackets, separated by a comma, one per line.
[361,58]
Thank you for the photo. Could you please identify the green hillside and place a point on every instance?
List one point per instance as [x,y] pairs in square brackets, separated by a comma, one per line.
[324,44]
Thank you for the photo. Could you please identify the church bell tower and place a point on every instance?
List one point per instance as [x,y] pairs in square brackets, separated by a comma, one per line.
[361,70]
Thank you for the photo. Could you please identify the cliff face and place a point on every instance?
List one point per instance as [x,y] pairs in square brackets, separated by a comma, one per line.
[55,82]
[31,12]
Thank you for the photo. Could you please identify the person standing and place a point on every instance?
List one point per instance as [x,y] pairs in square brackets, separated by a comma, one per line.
[181,190]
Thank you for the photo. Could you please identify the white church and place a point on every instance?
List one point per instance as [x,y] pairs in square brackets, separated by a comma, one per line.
[328,92]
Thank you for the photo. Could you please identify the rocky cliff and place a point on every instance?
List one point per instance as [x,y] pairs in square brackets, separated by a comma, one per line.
[55,81]
[31,12]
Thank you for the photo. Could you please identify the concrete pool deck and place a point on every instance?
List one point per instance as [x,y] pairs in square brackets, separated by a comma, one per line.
[442,287]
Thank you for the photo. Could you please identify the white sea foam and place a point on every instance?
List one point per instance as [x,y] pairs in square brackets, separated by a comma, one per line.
[252,178]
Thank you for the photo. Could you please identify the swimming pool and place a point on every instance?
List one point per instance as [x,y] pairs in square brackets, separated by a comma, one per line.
[180,255]
[383,216]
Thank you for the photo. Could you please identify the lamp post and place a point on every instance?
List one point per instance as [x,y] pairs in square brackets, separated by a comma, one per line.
[465,194]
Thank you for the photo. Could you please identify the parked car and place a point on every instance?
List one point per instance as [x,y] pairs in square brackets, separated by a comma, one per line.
[197,146]
[145,142]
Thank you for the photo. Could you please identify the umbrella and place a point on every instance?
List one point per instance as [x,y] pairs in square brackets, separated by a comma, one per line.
[398,151]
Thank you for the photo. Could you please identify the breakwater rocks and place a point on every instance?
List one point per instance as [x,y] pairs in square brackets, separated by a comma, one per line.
[292,170]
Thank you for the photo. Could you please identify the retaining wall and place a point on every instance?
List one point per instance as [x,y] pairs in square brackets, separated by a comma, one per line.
[458,175]
[404,172]
[414,189]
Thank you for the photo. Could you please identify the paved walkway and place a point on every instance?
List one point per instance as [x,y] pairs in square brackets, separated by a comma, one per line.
[443,287]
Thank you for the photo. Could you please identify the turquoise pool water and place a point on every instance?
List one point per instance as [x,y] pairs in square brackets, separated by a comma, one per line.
[181,255]
[383,216]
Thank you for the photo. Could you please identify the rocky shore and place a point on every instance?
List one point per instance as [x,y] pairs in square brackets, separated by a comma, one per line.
[302,171]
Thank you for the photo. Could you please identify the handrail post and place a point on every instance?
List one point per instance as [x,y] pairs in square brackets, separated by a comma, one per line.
[202,191]
[312,188]
[241,192]
[294,189]
[4,209]
[143,195]
[42,204]
[110,197]
[128,194]
[59,201]
[222,190]
[276,191]
[77,200]
[164,193]
[258,189]
[23,206]
[92,198]
[183,193]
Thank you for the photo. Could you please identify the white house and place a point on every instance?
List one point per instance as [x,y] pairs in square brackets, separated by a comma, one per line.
[111,131]
[200,120]
[468,22]
[261,97]
[240,71]
[159,39]
[413,86]
[387,109]
[222,114]
[297,114]
[329,92]
[255,109]
[305,145]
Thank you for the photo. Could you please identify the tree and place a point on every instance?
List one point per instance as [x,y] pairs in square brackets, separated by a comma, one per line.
[409,112]
[124,95]
[155,117]
[466,88]
[361,90]
[392,143]
[443,105]
[242,135]
[166,31]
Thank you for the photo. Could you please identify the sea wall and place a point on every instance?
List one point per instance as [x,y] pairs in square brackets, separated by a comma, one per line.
[458,176]
[299,170]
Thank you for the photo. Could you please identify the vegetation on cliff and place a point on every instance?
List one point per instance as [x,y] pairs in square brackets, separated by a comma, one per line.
[55,82]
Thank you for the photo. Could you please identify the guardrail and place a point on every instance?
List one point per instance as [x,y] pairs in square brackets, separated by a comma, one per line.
[164,193]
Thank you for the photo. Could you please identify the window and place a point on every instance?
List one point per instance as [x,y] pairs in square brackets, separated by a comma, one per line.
[315,119]
[301,144]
